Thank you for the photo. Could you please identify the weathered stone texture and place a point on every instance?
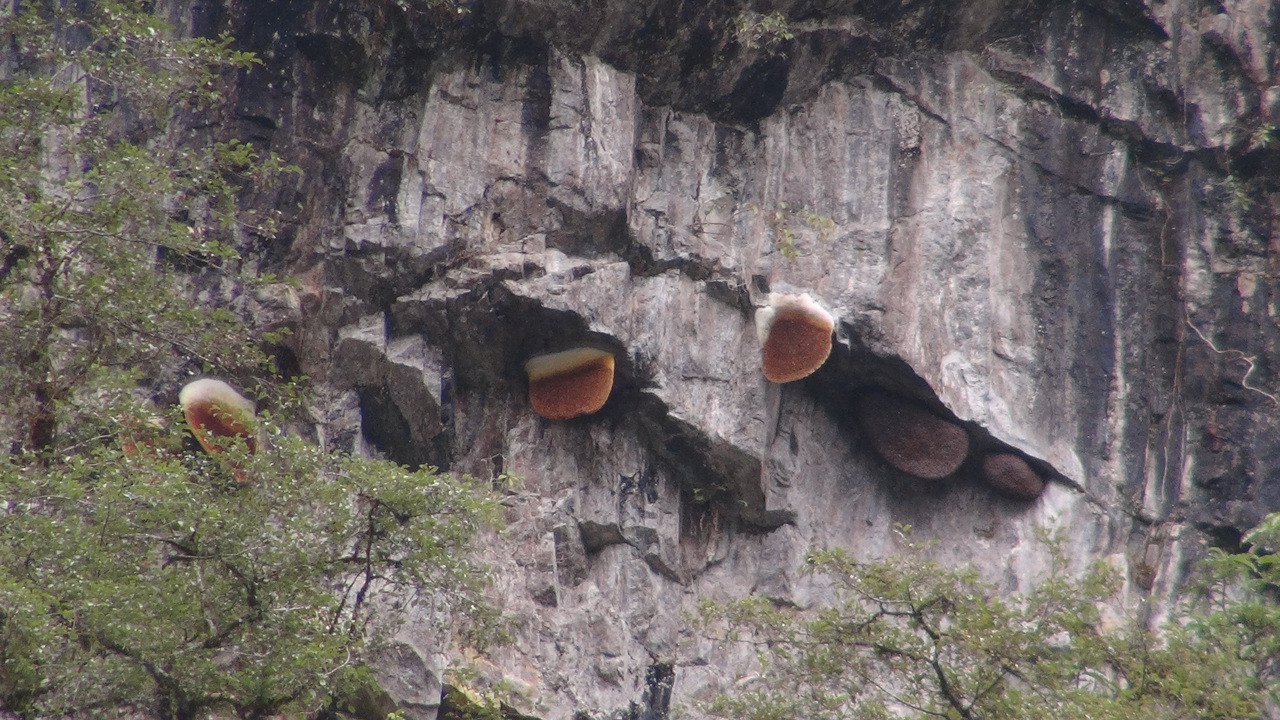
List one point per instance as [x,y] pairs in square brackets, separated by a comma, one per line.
[1053,222]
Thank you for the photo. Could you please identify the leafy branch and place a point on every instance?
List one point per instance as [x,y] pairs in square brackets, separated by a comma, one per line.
[907,637]
[754,31]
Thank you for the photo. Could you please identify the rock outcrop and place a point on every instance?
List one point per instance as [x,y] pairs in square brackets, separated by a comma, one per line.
[1051,224]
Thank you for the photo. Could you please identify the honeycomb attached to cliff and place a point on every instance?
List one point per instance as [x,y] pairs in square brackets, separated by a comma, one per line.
[570,384]
[1012,476]
[910,437]
[795,337]
[214,409]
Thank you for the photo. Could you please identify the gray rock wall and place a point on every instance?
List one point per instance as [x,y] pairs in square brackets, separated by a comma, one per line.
[1050,222]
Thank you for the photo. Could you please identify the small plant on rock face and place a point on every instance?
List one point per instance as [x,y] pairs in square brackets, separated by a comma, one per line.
[781,222]
[1237,193]
[762,32]
[821,223]
[1263,137]
[783,235]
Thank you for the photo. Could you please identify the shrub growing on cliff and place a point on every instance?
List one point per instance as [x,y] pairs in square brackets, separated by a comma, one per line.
[907,637]
[136,575]
[156,582]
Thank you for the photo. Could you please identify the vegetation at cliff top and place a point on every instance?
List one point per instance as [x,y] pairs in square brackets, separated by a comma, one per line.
[137,577]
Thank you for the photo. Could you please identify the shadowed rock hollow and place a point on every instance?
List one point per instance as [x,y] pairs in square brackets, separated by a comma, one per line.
[1051,223]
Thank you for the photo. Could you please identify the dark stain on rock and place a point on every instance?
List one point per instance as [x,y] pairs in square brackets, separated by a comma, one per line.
[571,554]
[399,416]
[335,58]
[535,115]
[757,92]
[383,188]
[497,54]
[643,484]
[208,19]
[386,428]
[1227,538]
[590,235]
[656,700]
[700,53]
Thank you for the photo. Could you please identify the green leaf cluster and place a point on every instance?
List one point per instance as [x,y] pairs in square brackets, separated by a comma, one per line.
[908,637]
[754,31]
[150,580]
[782,222]
[106,209]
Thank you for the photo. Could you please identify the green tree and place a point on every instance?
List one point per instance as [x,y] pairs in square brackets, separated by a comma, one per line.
[136,573]
[907,637]
[101,204]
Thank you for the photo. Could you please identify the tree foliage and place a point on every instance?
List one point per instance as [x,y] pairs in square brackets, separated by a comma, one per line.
[136,575]
[103,205]
[155,581]
[907,637]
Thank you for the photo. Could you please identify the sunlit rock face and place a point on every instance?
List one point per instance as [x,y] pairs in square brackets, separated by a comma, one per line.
[909,436]
[1012,476]
[571,383]
[215,410]
[795,337]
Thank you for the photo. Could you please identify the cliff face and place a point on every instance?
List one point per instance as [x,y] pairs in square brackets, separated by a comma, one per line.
[1050,222]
